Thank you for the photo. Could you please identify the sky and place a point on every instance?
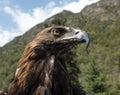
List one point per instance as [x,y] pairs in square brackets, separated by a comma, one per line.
[18,16]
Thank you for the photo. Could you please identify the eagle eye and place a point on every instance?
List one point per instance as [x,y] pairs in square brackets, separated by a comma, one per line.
[56,32]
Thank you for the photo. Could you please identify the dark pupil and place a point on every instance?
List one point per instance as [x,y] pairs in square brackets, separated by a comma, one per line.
[57,32]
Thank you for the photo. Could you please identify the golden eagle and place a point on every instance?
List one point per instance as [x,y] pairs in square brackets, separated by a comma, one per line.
[41,70]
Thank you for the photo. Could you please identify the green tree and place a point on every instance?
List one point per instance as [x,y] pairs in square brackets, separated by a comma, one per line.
[95,79]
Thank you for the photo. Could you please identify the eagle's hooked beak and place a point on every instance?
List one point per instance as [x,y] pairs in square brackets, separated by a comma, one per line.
[82,36]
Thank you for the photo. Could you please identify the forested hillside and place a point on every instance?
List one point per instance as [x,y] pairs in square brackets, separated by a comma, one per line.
[98,71]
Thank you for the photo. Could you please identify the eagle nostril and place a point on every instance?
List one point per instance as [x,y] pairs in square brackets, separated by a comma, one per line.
[76,32]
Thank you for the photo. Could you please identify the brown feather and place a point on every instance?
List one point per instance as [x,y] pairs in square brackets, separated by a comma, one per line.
[36,74]
[40,71]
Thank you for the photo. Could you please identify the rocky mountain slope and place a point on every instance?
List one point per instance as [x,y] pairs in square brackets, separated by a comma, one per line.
[98,71]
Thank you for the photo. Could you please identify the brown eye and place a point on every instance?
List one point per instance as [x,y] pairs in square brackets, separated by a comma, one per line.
[55,32]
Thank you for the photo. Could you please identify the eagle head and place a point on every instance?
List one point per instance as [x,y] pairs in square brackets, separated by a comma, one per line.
[59,39]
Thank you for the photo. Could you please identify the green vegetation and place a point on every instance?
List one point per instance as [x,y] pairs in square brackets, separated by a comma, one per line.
[98,71]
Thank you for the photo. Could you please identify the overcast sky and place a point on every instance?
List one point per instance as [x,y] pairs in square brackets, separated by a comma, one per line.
[18,16]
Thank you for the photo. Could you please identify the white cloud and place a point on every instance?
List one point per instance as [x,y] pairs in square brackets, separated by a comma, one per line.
[3,3]
[51,4]
[78,6]
[26,20]
[6,36]
[75,6]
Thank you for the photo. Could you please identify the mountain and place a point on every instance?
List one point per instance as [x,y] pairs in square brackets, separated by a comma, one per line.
[98,71]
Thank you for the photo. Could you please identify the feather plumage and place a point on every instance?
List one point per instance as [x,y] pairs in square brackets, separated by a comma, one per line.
[41,69]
